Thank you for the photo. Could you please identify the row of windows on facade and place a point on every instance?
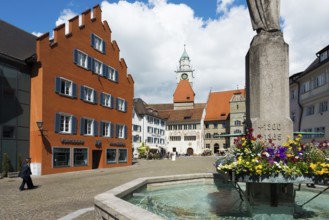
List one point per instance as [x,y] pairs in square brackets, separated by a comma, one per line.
[150,140]
[89,63]
[313,83]
[182,127]
[216,146]
[319,130]
[179,138]
[66,123]
[155,131]
[310,110]
[68,88]
[153,120]
[68,157]
[322,107]
[215,125]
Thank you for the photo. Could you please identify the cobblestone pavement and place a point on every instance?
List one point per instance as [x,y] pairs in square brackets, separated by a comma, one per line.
[58,195]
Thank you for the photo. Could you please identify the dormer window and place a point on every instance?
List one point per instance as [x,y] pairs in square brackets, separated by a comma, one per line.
[323,56]
[187,117]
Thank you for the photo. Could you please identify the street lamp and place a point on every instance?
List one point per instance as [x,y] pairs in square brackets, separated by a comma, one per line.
[40,125]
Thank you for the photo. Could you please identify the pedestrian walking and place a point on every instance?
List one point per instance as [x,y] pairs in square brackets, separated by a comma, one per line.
[25,174]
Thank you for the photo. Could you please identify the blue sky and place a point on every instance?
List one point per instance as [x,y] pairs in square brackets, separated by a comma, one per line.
[40,15]
[217,34]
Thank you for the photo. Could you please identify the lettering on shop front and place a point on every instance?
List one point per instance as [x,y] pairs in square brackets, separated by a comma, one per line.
[271,131]
[72,141]
[117,144]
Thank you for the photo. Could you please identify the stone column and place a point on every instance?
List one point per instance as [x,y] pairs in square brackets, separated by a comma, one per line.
[267,87]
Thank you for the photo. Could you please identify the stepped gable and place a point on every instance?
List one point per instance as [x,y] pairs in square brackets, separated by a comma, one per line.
[218,107]
[88,21]
[184,92]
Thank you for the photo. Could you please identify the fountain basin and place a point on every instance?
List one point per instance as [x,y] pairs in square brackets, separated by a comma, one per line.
[110,204]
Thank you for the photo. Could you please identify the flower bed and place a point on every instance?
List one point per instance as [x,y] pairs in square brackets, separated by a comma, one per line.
[258,159]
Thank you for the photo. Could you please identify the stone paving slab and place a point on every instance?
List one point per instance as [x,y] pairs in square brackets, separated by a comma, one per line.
[58,195]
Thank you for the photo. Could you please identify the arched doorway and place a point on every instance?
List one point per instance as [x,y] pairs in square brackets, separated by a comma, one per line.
[189,151]
[216,148]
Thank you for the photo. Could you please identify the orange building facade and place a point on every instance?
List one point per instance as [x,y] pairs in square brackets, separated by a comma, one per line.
[82,97]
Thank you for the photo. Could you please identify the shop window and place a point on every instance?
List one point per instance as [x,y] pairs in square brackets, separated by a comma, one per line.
[111,155]
[61,157]
[123,153]
[80,156]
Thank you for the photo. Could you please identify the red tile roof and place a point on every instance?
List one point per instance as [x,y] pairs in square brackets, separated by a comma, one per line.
[166,111]
[218,107]
[184,92]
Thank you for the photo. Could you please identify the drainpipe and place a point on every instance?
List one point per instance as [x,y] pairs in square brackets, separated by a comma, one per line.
[300,106]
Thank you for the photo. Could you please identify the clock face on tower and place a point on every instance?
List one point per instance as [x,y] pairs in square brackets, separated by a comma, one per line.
[184,76]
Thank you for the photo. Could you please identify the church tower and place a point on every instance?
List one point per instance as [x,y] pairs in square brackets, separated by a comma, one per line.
[184,95]
[185,71]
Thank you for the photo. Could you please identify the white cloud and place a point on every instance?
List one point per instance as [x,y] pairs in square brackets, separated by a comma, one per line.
[65,15]
[151,37]
[223,6]
[305,30]
[38,34]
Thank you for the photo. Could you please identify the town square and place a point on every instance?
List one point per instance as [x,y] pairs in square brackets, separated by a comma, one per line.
[94,133]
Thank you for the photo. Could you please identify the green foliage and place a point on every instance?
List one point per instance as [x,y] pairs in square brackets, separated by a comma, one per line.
[5,165]
[143,150]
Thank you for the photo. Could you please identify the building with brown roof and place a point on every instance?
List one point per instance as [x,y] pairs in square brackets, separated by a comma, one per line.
[184,118]
[217,119]
[148,127]
[81,99]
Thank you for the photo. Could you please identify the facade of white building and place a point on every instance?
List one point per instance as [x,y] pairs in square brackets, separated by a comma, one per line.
[148,127]
[309,99]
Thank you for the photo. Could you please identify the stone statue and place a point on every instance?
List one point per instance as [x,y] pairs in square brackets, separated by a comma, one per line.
[265,15]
